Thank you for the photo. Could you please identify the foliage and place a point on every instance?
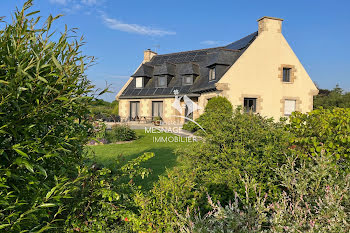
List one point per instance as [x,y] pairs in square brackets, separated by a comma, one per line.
[282,177]
[241,143]
[176,192]
[44,126]
[316,199]
[43,102]
[103,202]
[332,99]
[120,133]
[322,128]
[217,110]
[230,150]
[165,156]
[103,110]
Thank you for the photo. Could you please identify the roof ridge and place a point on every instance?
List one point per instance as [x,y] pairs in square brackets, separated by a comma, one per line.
[195,50]
[241,38]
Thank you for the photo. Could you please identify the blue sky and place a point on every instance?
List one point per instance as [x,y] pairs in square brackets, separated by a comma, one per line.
[117,32]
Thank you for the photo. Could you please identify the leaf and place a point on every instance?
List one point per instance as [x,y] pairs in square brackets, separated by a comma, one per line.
[25,162]
[4,225]
[21,153]
[4,82]
[42,79]
[47,205]
[63,98]
[32,13]
[48,195]
[58,65]
[42,170]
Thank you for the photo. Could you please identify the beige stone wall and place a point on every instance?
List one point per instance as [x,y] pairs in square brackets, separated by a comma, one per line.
[203,100]
[146,108]
[258,73]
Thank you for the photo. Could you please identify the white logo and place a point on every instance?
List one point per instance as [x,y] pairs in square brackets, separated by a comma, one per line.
[189,104]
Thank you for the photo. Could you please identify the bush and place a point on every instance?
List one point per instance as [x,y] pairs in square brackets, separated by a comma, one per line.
[43,104]
[241,144]
[332,98]
[120,133]
[170,194]
[316,199]
[44,125]
[322,128]
[215,166]
[217,110]
[281,177]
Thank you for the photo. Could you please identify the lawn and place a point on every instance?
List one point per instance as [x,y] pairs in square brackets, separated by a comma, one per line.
[164,154]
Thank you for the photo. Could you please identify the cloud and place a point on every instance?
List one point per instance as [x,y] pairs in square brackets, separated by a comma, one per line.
[62,2]
[89,2]
[212,42]
[76,2]
[133,28]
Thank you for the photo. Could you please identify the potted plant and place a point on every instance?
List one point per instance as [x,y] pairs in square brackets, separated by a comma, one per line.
[157,120]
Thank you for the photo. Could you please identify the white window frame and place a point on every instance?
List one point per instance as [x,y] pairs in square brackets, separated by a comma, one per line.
[188,77]
[139,82]
[158,81]
[289,108]
[212,73]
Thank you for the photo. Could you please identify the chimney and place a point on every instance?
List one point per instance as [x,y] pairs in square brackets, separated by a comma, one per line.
[270,24]
[147,55]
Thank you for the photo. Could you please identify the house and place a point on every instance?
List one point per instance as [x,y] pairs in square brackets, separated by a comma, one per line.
[259,72]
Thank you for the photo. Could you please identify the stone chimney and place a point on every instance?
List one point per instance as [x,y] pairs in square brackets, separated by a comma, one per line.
[147,55]
[270,24]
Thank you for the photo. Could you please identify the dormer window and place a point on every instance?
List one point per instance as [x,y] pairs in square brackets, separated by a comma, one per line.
[212,74]
[139,82]
[162,81]
[187,80]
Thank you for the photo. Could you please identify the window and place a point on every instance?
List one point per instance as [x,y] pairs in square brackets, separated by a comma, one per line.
[286,74]
[212,74]
[250,104]
[157,109]
[289,107]
[162,81]
[134,110]
[139,82]
[188,80]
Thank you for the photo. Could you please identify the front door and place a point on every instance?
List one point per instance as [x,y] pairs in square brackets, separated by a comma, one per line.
[134,110]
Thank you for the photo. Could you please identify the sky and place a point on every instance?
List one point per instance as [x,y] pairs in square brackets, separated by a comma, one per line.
[117,32]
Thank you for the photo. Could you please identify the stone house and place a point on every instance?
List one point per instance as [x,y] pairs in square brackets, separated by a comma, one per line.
[259,72]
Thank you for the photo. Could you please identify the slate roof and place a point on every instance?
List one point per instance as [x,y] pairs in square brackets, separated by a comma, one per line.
[176,65]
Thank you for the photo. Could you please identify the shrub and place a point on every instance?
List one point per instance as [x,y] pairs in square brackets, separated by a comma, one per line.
[217,110]
[316,199]
[120,133]
[44,99]
[43,104]
[103,200]
[332,98]
[322,128]
[215,166]
[242,143]
[176,192]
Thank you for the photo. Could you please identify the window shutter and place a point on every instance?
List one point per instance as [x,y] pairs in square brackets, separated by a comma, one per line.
[289,107]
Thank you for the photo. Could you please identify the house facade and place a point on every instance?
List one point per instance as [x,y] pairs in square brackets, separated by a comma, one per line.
[259,72]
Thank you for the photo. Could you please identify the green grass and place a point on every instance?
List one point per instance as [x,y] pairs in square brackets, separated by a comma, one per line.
[164,155]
